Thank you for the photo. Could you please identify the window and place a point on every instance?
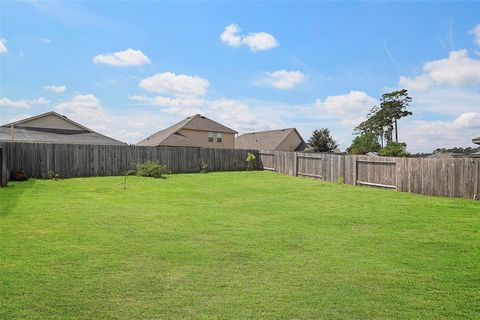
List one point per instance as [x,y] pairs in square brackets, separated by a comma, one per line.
[219,137]
[210,137]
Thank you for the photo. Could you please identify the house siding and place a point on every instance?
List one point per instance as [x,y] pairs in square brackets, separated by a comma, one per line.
[201,139]
[290,143]
[50,122]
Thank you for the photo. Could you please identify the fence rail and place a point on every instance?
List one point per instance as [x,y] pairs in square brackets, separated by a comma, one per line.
[75,160]
[454,177]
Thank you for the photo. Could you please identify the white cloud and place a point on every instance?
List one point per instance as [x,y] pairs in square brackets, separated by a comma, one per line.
[354,103]
[3,46]
[233,113]
[427,136]
[175,85]
[448,101]
[182,106]
[229,35]
[45,40]
[281,79]
[467,120]
[23,104]
[260,41]
[256,41]
[476,34]
[55,89]
[126,58]
[239,115]
[456,70]
[85,106]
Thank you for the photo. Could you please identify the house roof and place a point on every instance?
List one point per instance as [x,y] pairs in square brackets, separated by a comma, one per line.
[172,137]
[476,140]
[20,131]
[23,122]
[265,140]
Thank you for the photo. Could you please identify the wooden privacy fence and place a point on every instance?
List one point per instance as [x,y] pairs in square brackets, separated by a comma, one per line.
[4,174]
[452,177]
[75,160]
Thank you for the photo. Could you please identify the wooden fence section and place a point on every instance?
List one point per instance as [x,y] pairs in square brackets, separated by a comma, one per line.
[454,177]
[4,174]
[74,160]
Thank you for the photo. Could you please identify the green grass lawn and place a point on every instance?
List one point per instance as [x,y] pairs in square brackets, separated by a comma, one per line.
[227,246]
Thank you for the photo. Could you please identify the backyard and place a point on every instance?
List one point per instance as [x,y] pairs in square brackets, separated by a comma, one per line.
[234,245]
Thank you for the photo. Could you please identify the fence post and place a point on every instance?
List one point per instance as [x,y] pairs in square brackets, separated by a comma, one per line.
[476,196]
[355,171]
[295,164]
[2,174]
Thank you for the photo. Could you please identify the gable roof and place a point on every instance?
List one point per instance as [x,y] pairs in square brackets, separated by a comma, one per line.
[476,140]
[24,122]
[26,130]
[265,140]
[172,137]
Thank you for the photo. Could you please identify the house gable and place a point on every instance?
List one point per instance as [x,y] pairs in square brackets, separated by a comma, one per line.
[49,120]
[192,131]
[290,142]
[52,127]
[282,140]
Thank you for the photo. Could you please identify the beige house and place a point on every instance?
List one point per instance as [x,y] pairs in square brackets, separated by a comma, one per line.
[279,140]
[52,127]
[194,131]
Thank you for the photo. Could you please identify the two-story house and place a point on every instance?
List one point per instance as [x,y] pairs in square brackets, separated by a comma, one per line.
[194,131]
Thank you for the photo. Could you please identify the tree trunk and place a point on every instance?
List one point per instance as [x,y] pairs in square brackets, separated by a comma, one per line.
[396,131]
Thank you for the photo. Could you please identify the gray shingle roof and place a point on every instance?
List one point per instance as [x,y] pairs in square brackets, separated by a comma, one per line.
[265,140]
[52,136]
[80,135]
[171,137]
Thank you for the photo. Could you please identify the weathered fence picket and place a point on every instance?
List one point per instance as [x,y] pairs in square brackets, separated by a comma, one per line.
[69,160]
[454,177]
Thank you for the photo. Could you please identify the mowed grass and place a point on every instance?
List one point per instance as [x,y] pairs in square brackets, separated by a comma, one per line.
[234,246]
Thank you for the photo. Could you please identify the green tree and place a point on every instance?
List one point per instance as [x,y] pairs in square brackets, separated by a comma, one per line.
[395,104]
[322,141]
[364,143]
[394,149]
[382,120]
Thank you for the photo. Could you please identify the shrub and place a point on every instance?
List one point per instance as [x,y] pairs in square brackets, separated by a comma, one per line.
[250,159]
[204,167]
[394,149]
[364,144]
[52,175]
[152,169]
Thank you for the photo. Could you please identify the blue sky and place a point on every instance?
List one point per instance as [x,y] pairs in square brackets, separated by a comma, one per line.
[128,69]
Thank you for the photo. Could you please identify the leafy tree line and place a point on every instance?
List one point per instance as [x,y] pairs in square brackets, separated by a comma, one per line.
[378,133]
[467,150]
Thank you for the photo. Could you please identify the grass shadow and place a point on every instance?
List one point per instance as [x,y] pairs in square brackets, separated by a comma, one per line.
[11,193]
